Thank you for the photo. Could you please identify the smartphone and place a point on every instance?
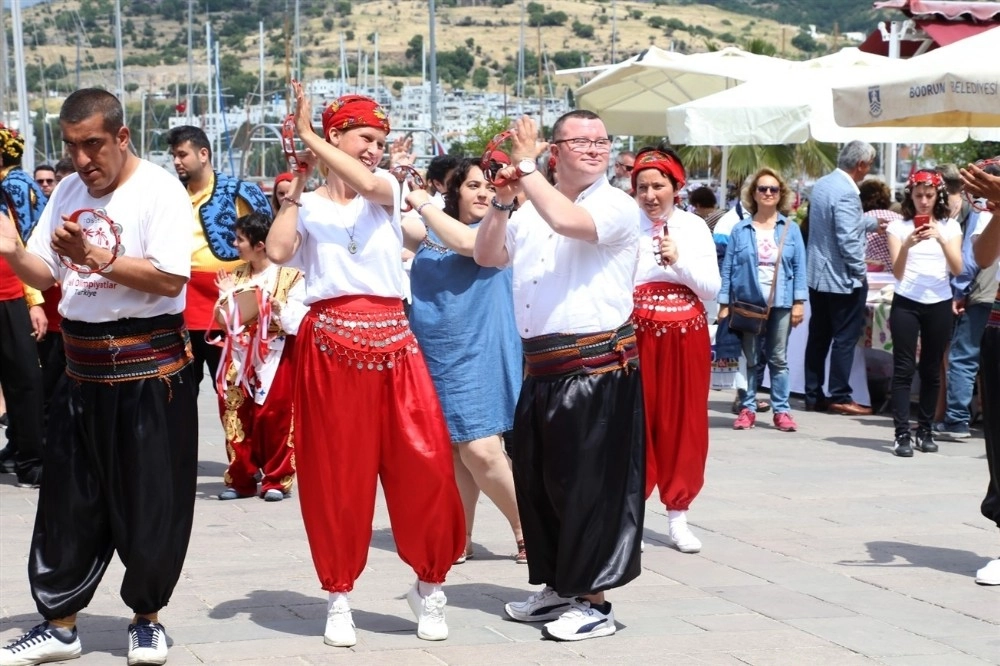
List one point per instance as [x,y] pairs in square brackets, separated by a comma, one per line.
[921,221]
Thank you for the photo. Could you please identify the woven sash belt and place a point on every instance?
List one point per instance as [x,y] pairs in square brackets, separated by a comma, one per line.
[566,354]
[127,349]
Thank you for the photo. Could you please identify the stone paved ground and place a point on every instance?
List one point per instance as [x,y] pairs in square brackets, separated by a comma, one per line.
[820,547]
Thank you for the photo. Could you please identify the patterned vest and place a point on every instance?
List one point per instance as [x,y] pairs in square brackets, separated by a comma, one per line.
[218,214]
[23,198]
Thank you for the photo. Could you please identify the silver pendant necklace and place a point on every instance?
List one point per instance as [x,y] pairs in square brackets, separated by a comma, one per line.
[352,245]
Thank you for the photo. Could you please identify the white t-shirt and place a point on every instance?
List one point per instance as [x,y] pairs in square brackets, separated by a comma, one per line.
[696,267]
[984,219]
[565,285]
[154,211]
[327,230]
[925,278]
[767,256]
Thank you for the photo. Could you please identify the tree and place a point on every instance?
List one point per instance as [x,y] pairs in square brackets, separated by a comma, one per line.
[481,78]
[480,135]
[805,42]
[415,49]
[583,30]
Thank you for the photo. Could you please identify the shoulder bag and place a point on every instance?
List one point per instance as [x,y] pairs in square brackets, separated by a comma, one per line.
[751,317]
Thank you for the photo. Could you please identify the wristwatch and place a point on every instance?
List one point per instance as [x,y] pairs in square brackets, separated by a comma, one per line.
[526,166]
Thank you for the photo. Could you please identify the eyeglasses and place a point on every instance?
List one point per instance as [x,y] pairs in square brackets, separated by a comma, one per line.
[628,167]
[45,181]
[582,145]
[768,189]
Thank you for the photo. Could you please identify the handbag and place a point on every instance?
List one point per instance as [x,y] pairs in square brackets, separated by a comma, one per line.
[746,317]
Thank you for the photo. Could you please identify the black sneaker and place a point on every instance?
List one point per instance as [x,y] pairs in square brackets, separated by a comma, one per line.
[925,442]
[902,447]
[42,644]
[7,455]
[31,478]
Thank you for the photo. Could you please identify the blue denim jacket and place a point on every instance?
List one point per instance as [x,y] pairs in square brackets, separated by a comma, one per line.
[739,268]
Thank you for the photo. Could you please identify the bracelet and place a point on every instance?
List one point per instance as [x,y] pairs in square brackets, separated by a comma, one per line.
[421,207]
[504,207]
[291,201]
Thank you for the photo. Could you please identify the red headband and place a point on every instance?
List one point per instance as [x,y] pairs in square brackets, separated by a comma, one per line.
[285,177]
[665,164]
[352,111]
[924,177]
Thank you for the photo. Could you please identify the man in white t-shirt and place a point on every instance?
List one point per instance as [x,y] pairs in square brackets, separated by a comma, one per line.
[578,443]
[121,461]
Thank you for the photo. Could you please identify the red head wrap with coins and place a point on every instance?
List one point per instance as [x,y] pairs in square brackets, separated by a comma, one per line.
[666,164]
[352,111]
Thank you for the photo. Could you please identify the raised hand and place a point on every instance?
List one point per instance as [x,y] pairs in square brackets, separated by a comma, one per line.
[224,281]
[417,197]
[401,152]
[525,141]
[303,110]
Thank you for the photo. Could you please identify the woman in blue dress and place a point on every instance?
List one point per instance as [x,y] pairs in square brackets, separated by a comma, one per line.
[463,316]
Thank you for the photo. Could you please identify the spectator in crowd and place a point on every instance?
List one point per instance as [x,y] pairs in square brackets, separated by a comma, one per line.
[926,250]
[623,171]
[282,186]
[875,202]
[64,167]
[45,178]
[765,264]
[838,285]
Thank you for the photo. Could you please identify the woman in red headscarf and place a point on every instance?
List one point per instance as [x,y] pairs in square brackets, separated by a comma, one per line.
[926,250]
[365,406]
[677,270]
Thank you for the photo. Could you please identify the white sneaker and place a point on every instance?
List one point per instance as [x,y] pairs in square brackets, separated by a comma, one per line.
[429,610]
[684,540]
[147,643]
[542,606]
[642,546]
[42,644]
[990,574]
[580,622]
[339,630]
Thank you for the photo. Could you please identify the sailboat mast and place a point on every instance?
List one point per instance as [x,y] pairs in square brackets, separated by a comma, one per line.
[4,70]
[189,107]
[119,62]
[209,99]
[260,57]
[434,76]
[376,69]
[23,112]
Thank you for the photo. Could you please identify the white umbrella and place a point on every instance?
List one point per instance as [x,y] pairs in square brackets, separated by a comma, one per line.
[954,86]
[791,106]
[633,96]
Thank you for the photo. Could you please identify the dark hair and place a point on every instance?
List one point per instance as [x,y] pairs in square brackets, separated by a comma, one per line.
[703,197]
[440,166]
[582,114]
[184,133]
[458,177]
[44,167]
[875,195]
[87,102]
[784,195]
[941,208]
[65,166]
[254,226]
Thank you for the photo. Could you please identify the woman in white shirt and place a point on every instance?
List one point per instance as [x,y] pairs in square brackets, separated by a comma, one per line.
[365,406]
[926,250]
[677,270]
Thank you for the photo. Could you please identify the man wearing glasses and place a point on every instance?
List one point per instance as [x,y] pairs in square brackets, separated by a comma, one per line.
[578,443]
[45,178]
[623,171]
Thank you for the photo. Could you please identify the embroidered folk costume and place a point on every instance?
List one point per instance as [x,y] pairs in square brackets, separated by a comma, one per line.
[674,344]
[366,410]
[255,381]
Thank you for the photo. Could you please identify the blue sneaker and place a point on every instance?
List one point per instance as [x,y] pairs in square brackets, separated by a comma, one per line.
[147,643]
[952,431]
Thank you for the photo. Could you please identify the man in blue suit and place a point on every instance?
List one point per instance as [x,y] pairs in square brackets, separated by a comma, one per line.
[837,279]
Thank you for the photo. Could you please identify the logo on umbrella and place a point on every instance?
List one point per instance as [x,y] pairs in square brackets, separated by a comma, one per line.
[874,101]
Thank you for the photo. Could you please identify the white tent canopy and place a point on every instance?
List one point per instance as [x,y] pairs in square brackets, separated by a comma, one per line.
[954,86]
[791,106]
[632,97]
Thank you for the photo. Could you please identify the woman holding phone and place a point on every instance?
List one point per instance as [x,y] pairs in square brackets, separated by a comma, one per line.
[926,250]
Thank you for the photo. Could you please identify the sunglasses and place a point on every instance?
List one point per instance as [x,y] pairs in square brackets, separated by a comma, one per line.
[628,168]
[768,189]
[45,181]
